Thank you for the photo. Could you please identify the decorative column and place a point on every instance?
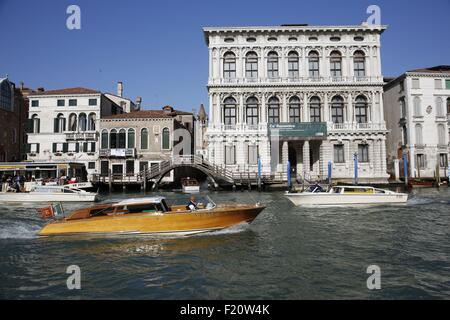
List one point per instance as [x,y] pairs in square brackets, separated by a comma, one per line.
[372,109]
[219,111]
[284,116]
[383,157]
[381,108]
[284,155]
[350,108]
[306,165]
[305,117]
[326,110]
[240,119]
[263,109]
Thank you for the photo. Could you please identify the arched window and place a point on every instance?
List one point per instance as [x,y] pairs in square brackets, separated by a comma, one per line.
[91,121]
[336,64]
[131,140]
[36,124]
[361,112]
[104,139]
[166,138]
[229,111]
[251,111]
[314,109]
[60,123]
[359,64]
[251,65]
[419,136]
[417,107]
[337,109]
[440,107]
[272,65]
[293,65]
[113,139]
[313,61]
[229,65]
[122,139]
[73,122]
[82,122]
[441,134]
[294,109]
[6,95]
[274,110]
[144,139]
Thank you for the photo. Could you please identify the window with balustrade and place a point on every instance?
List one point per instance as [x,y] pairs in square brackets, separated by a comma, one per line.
[272,65]
[36,124]
[337,109]
[359,64]
[294,109]
[313,62]
[251,111]
[273,110]
[229,65]
[229,111]
[251,65]
[314,109]
[336,64]
[293,65]
[361,110]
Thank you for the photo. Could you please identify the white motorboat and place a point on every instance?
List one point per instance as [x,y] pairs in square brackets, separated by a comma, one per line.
[87,186]
[48,194]
[190,185]
[346,195]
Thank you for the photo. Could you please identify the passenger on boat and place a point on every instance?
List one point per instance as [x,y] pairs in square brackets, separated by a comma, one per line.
[192,205]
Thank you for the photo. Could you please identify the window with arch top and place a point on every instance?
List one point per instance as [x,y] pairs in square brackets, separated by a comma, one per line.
[361,110]
[229,65]
[229,111]
[105,139]
[294,109]
[359,64]
[313,62]
[131,139]
[272,65]
[314,109]
[144,138]
[293,65]
[251,65]
[337,109]
[251,111]
[336,64]
[166,138]
[274,110]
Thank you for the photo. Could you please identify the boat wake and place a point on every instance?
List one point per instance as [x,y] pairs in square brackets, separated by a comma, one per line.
[18,230]
[231,230]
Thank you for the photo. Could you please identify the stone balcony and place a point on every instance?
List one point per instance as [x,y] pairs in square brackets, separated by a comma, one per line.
[118,153]
[353,126]
[295,80]
[75,136]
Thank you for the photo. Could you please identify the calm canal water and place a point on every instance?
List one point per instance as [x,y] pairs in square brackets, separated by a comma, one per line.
[287,253]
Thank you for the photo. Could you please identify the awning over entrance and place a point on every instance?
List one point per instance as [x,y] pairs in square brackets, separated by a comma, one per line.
[299,131]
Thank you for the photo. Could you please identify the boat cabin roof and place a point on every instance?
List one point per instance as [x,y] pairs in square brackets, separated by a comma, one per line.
[143,200]
[354,187]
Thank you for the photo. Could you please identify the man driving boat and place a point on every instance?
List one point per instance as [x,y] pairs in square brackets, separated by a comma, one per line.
[192,205]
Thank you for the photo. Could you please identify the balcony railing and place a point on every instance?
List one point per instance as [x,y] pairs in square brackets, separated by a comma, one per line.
[71,136]
[238,127]
[350,126]
[118,153]
[219,81]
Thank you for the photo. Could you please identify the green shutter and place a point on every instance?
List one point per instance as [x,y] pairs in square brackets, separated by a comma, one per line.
[85,146]
[92,146]
[30,128]
[37,147]
[38,126]
[65,147]
[77,147]
[447,84]
[54,147]
[55,125]
[28,148]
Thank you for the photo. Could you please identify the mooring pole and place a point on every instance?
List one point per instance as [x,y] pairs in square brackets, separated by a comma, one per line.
[405,168]
[259,174]
[355,164]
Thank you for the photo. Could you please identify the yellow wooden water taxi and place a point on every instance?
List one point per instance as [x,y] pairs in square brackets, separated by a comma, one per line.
[150,215]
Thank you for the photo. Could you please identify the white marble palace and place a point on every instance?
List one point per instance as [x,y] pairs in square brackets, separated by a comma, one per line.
[317,89]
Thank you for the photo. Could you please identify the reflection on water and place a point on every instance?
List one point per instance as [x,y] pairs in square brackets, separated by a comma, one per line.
[287,253]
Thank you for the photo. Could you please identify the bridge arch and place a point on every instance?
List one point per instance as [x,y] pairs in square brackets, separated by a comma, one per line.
[165,171]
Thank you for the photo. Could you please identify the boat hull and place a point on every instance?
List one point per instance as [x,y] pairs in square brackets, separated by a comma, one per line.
[46,197]
[308,199]
[169,223]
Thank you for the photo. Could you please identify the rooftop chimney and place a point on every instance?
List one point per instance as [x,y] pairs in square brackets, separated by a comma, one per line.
[120,89]
[138,103]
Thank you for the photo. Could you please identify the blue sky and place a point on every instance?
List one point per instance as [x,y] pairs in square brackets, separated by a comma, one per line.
[157,47]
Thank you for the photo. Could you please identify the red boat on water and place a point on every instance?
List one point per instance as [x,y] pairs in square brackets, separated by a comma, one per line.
[421,183]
